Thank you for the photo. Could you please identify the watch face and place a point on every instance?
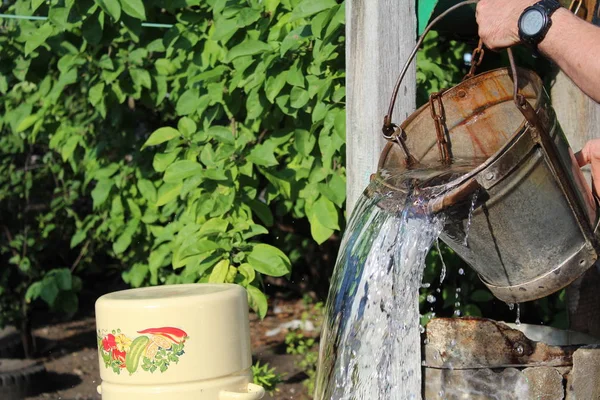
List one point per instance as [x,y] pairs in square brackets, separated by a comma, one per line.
[532,22]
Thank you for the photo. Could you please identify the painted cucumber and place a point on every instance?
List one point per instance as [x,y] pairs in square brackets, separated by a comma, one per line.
[134,355]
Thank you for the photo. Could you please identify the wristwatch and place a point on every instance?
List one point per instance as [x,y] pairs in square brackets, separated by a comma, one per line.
[535,22]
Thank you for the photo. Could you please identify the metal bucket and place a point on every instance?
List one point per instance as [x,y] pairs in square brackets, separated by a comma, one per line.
[533,227]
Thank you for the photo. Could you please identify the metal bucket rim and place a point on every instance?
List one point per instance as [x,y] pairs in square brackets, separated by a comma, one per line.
[523,127]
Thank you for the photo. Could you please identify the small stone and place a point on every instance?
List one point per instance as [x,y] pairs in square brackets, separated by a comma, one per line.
[583,382]
[544,383]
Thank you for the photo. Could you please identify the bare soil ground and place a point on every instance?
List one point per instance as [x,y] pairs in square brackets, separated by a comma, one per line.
[70,355]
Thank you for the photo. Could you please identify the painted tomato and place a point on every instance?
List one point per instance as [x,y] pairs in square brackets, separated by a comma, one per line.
[119,356]
[109,342]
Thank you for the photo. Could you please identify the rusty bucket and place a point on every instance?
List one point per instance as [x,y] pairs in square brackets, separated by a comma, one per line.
[523,216]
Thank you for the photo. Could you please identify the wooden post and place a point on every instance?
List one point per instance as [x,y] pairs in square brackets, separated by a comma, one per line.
[579,117]
[380,35]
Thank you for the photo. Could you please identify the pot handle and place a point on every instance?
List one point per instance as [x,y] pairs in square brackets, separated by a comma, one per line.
[254,392]
[389,128]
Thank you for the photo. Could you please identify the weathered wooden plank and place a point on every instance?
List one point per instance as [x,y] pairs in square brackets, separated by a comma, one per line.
[579,117]
[379,37]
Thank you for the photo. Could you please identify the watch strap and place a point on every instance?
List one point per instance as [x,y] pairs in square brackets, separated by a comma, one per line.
[548,7]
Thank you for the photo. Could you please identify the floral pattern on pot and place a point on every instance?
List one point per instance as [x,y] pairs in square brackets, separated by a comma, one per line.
[154,349]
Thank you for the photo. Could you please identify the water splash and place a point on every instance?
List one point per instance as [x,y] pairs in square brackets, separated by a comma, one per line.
[373,304]
[443,273]
[471,211]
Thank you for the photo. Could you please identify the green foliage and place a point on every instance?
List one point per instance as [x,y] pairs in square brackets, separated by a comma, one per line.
[306,347]
[174,153]
[266,377]
[440,65]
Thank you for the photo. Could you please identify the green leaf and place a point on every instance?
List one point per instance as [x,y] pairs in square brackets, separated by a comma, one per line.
[295,38]
[162,161]
[96,93]
[188,102]
[295,77]
[124,240]
[180,170]
[147,190]
[262,210]
[187,127]
[247,17]
[219,272]
[135,210]
[248,47]
[136,275]
[269,260]
[274,85]
[62,277]
[164,67]
[257,300]
[304,141]
[263,154]
[481,296]
[306,8]
[339,126]
[222,134]
[35,4]
[248,273]
[101,191]
[224,29]
[167,193]
[319,232]
[27,122]
[111,7]
[33,292]
[324,210]
[77,238]
[161,135]
[298,97]
[135,8]
[141,78]
[38,37]
[214,225]
[59,17]
[335,189]
[49,290]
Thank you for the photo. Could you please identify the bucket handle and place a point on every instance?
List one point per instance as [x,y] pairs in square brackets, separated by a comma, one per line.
[389,128]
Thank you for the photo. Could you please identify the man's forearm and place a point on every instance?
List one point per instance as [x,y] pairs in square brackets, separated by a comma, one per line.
[574,45]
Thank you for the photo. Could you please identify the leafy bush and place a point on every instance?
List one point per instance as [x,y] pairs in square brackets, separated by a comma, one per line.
[173,152]
[266,376]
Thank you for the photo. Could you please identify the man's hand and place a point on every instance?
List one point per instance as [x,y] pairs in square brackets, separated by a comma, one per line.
[498,19]
[590,154]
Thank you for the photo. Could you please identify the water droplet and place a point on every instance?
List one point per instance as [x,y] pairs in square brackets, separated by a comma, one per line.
[511,306]
[457,313]
[518,320]
[458,290]
[461,271]
[438,290]
[519,349]
[425,285]
[431,299]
